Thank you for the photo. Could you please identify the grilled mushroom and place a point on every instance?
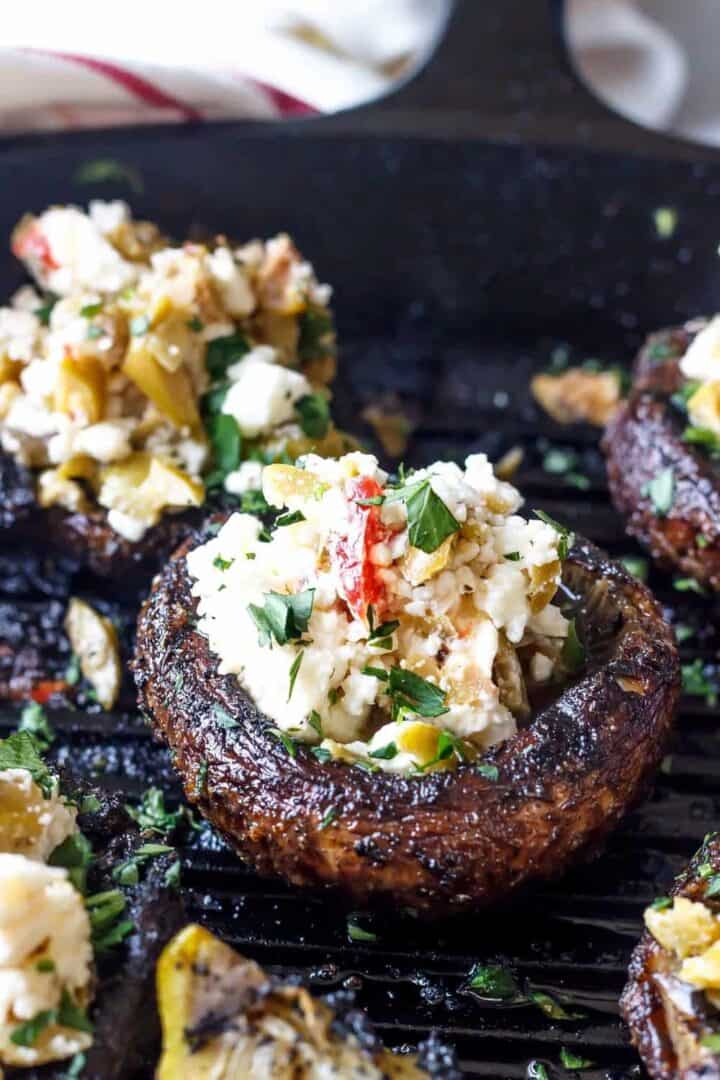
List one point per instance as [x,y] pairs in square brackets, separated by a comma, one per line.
[672,996]
[434,842]
[662,465]
[223,1017]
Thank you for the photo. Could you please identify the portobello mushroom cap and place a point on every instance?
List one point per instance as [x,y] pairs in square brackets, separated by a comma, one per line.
[668,1018]
[85,536]
[645,437]
[447,840]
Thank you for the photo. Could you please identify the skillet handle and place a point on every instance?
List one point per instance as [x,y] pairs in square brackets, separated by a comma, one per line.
[502,71]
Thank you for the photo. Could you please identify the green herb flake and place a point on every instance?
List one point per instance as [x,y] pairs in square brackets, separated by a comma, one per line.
[711,1042]
[552,1007]
[287,741]
[109,170]
[152,816]
[45,966]
[139,325]
[172,875]
[701,540]
[195,324]
[661,903]
[75,856]
[314,415]
[316,334]
[222,564]
[72,1015]
[223,352]
[665,219]
[34,720]
[44,312]
[537,1071]
[686,584]
[661,491]
[356,932]
[683,632]
[512,556]
[704,437]
[223,719]
[636,565]
[697,683]
[379,636]
[566,537]
[328,818]
[713,886]
[107,927]
[72,671]
[315,722]
[488,772]
[412,693]
[28,1033]
[494,982]
[321,754]
[89,804]
[293,674]
[385,753]
[430,522]
[289,519]
[568,1060]
[573,650]
[282,617]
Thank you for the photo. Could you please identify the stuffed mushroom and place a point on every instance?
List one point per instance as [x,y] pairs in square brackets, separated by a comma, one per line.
[137,379]
[672,1000]
[406,690]
[663,449]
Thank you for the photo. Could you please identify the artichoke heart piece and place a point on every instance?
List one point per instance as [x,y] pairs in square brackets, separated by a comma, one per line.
[704,407]
[95,643]
[143,485]
[171,392]
[9,369]
[223,1018]
[419,566]
[80,390]
[544,582]
[284,482]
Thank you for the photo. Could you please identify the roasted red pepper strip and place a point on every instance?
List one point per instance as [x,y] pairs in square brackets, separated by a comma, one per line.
[359,577]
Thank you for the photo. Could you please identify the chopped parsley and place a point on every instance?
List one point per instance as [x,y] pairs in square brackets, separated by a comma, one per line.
[568,1060]
[226,442]
[224,719]
[20,751]
[44,312]
[315,334]
[636,565]
[89,804]
[661,903]
[701,540]
[223,352]
[27,1034]
[287,741]
[195,324]
[384,753]
[356,932]
[551,1007]
[697,683]
[315,722]
[681,397]
[253,502]
[493,981]
[45,966]
[661,491]
[687,584]
[34,720]
[75,855]
[293,674]
[107,927]
[700,436]
[512,556]
[282,617]
[139,325]
[566,537]
[128,872]
[430,522]
[665,219]
[380,636]
[410,692]
[72,1015]
[711,1042]
[713,886]
[321,754]
[314,415]
[328,817]
[109,170]
[573,650]
[222,564]
[91,310]
[152,816]
[289,519]
[447,746]
[488,772]
[537,1071]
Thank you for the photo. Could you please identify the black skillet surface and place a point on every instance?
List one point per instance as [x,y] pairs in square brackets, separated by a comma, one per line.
[460,267]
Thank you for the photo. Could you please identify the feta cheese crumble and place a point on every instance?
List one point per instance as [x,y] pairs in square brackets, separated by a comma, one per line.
[690,932]
[45,958]
[398,626]
[115,383]
[32,824]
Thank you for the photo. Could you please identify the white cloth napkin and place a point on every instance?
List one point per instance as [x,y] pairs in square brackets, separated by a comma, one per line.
[84,64]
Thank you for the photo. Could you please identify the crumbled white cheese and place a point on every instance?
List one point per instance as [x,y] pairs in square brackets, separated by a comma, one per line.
[78,253]
[31,824]
[232,280]
[263,396]
[455,606]
[702,358]
[42,917]
[247,478]
[107,441]
[130,528]
[108,216]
